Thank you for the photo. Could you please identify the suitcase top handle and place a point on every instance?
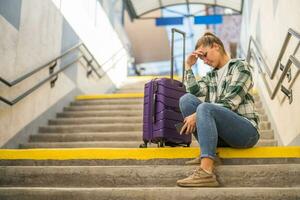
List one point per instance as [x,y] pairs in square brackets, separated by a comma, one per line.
[172,52]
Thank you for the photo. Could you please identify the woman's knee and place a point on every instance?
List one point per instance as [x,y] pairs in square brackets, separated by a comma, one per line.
[204,107]
[186,99]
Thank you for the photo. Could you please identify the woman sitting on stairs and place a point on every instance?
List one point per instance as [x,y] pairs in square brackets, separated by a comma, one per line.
[227,117]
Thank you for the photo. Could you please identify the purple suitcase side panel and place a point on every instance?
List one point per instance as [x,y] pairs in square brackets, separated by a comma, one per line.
[169,92]
[160,124]
[162,100]
[171,136]
[167,115]
[147,116]
[167,111]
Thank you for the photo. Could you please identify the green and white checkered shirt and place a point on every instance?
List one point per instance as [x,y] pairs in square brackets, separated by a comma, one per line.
[235,89]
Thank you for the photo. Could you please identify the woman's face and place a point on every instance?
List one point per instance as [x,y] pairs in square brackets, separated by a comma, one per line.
[210,55]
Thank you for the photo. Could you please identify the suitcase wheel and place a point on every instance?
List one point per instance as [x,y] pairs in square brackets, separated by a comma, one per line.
[144,145]
[161,143]
[188,145]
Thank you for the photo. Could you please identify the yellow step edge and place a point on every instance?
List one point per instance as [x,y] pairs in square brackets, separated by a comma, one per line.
[143,154]
[110,96]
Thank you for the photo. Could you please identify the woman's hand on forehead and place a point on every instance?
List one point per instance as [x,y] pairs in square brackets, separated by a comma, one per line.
[199,52]
[195,54]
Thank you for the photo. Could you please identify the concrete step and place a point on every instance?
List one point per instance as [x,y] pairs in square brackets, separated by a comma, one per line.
[135,84]
[125,108]
[91,128]
[139,85]
[263,117]
[95,120]
[74,114]
[104,136]
[258,104]
[89,144]
[131,90]
[121,113]
[104,107]
[128,101]
[87,136]
[146,193]
[260,111]
[112,144]
[264,125]
[266,134]
[287,175]
[122,162]
[266,142]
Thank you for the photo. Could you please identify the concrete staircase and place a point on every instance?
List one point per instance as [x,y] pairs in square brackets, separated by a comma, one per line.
[117,123]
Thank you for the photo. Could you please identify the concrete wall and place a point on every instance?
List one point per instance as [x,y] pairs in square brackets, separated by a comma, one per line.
[32,33]
[229,32]
[90,22]
[268,22]
[149,42]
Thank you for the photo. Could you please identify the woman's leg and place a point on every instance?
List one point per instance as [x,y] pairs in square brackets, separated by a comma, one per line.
[188,105]
[214,121]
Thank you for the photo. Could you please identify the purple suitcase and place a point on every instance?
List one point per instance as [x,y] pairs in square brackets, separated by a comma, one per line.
[161,108]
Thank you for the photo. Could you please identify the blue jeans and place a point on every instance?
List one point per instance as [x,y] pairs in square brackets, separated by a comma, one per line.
[217,126]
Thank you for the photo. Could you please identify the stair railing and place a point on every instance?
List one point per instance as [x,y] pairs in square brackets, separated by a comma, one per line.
[53,76]
[286,69]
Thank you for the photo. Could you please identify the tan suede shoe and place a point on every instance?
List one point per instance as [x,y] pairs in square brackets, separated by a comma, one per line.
[195,161]
[199,178]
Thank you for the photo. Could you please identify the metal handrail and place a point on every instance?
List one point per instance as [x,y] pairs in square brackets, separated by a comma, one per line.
[22,78]
[115,54]
[52,75]
[290,33]
[93,59]
[23,95]
[292,60]
[259,58]
[104,63]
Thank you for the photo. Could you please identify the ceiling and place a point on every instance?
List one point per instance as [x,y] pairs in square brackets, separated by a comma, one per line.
[138,8]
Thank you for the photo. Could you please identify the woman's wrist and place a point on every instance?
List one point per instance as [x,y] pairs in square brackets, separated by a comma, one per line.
[187,66]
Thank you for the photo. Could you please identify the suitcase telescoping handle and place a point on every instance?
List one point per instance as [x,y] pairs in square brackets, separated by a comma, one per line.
[172,52]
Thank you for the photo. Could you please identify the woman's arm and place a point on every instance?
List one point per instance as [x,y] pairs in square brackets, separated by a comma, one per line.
[199,88]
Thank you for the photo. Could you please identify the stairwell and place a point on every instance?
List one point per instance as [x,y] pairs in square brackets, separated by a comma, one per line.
[112,123]
[114,126]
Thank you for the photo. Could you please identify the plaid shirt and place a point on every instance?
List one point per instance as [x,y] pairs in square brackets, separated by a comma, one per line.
[235,88]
